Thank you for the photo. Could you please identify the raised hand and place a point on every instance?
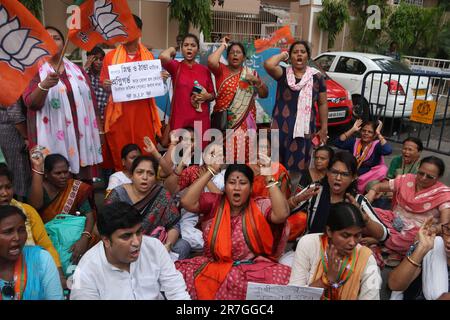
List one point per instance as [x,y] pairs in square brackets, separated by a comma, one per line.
[149,146]
[37,158]
[426,235]
[357,125]
[50,81]
[265,165]
[213,156]
[334,263]
[380,126]
[90,60]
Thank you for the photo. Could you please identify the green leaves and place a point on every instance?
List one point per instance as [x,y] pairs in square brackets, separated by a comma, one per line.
[333,18]
[192,12]
[34,6]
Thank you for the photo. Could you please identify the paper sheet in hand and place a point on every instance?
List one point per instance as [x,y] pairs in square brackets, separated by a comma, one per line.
[136,80]
[262,291]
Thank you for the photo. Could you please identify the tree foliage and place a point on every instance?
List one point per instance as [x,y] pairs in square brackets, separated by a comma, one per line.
[192,12]
[416,29]
[332,18]
[34,6]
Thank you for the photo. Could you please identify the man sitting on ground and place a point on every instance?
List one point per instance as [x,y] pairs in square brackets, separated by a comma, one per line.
[126,265]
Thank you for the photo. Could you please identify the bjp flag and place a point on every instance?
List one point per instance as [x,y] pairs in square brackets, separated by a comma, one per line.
[23,43]
[103,21]
[283,33]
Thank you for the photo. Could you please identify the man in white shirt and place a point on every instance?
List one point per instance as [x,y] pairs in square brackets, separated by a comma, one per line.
[126,265]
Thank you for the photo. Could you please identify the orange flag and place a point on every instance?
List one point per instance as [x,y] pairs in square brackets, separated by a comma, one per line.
[283,33]
[23,43]
[104,21]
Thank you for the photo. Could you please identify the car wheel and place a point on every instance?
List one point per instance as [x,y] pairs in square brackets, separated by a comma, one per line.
[360,108]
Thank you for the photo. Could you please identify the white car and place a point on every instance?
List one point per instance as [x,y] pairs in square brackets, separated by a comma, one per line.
[390,94]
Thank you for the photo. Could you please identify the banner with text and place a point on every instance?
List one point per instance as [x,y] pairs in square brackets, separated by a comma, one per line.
[136,80]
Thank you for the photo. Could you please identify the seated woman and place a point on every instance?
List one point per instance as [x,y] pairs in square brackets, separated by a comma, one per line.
[334,260]
[280,173]
[244,236]
[338,186]
[416,197]
[34,225]
[26,272]
[407,162]
[155,203]
[425,272]
[322,158]
[368,151]
[128,154]
[54,192]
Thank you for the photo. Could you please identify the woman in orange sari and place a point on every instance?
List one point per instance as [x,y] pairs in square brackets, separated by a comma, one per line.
[237,86]
[244,236]
[53,192]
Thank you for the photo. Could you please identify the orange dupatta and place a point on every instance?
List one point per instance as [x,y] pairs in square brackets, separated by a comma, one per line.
[258,235]
[114,109]
[66,201]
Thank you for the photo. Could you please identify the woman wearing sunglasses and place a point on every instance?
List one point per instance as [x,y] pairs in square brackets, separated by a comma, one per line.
[339,185]
[416,197]
[26,272]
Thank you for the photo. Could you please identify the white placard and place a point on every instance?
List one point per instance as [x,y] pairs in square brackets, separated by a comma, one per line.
[136,80]
[262,291]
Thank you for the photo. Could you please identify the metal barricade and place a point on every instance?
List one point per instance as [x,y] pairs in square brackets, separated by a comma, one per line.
[409,104]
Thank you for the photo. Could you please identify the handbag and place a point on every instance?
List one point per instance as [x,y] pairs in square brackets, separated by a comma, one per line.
[159,233]
[219,120]
[64,230]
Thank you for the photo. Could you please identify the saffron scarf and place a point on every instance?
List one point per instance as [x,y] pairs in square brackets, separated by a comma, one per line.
[114,110]
[67,200]
[349,277]
[257,233]
[304,102]
[55,125]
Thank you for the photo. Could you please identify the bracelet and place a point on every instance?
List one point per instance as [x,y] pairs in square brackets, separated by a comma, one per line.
[42,88]
[418,265]
[87,233]
[38,172]
[174,171]
[276,183]
[211,170]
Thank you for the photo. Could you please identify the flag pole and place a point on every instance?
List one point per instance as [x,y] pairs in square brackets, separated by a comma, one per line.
[77,3]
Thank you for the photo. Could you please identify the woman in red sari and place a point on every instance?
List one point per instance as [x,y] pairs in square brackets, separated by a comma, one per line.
[244,236]
[237,86]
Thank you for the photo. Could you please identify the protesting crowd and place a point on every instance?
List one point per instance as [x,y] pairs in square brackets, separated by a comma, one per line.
[189,214]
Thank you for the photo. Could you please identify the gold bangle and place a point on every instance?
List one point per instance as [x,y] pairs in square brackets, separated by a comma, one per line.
[42,88]
[418,265]
[276,183]
[211,170]
[87,233]
[38,172]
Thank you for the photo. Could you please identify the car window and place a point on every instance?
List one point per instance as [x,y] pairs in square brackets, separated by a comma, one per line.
[325,62]
[314,64]
[350,65]
[392,65]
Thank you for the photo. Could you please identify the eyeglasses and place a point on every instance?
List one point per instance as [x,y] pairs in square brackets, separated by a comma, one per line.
[426,175]
[336,173]
[8,290]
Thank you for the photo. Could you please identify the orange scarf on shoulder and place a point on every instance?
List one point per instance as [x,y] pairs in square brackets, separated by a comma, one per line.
[258,235]
[114,109]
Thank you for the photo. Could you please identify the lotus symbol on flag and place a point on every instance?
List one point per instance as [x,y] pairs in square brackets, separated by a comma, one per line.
[105,21]
[17,48]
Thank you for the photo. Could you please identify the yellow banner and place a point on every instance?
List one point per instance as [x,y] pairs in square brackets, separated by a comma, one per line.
[423,111]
